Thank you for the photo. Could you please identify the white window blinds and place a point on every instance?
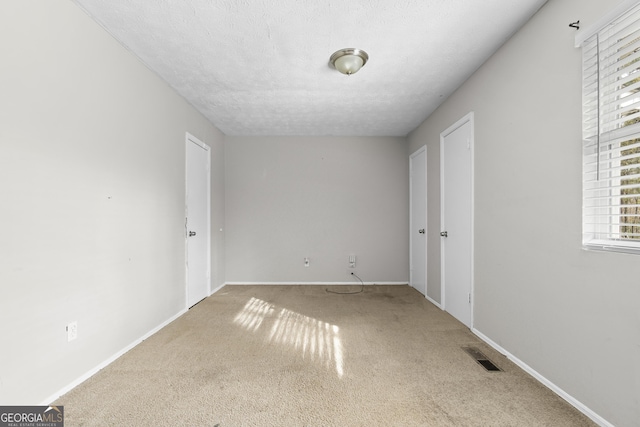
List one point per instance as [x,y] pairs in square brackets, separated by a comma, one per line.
[611,135]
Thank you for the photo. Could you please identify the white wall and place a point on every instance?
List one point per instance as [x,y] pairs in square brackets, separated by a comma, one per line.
[92,176]
[319,197]
[572,315]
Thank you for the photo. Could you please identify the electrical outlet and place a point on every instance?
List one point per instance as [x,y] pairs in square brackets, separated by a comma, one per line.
[72,331]
[352,261]
[306,262]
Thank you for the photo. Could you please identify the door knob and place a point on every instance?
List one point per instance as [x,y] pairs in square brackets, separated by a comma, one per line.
[421,231]
[192,233]
[443,234]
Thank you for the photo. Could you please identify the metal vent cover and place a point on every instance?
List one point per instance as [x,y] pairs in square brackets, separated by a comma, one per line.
[482,360]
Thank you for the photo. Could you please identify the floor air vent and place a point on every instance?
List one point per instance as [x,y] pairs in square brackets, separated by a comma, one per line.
[483,360]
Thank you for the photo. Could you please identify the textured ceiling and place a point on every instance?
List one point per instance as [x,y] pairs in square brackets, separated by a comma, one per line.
[257,67]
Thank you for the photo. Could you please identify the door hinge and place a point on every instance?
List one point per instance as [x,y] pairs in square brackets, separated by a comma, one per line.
[468,144]
[469,298]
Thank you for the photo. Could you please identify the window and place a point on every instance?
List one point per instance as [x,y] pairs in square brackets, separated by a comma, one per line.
[611,134]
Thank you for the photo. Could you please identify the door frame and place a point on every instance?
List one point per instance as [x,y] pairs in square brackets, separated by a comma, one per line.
[468,118]
[419,151]
[190,139]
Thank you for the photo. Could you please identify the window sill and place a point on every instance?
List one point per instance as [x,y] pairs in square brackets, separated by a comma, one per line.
[608,247]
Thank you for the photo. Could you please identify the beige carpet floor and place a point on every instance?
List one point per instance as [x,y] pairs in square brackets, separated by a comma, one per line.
[299,356]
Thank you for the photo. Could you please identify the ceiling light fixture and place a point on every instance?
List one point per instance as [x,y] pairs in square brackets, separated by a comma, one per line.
[349,61]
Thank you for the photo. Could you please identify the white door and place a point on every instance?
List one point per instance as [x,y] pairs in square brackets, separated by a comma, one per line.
[456,180]
[197,223]
[418,220]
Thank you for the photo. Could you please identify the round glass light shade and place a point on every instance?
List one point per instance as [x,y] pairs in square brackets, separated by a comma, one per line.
[349,61]
[349,64]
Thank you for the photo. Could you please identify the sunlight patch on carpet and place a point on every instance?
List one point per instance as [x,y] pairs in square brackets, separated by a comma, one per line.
[253,314]
[314,339]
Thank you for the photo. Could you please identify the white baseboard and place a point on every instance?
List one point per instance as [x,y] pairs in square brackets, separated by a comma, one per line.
[434,302]
[557,390]
[216,289]
[107,362]
[315,283]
